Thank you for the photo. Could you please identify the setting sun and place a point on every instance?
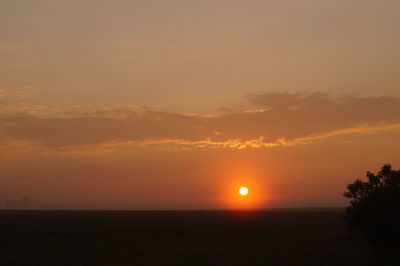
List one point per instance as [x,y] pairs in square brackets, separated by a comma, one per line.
[243,191]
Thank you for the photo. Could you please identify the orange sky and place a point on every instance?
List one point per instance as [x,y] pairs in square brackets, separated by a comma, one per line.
[176,104]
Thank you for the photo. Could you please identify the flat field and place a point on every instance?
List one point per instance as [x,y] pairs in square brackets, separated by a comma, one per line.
[276,237]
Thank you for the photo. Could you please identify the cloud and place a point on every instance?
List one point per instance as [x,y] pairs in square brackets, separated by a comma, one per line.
[282,120]
[208,143]
[13,95]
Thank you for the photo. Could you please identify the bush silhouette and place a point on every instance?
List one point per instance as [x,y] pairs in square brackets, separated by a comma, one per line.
[375,206]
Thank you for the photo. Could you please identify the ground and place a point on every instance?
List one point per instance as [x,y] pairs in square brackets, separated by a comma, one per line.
[279,237]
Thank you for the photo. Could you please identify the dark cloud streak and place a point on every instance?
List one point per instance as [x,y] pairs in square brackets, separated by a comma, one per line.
[286,116]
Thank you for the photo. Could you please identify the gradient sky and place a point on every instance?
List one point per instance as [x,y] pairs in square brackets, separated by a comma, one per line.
[176,104]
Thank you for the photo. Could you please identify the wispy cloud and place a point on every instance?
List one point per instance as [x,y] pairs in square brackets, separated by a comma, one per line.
[208,143]
[279,120]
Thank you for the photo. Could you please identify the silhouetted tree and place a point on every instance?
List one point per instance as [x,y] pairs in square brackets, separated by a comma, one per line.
[375,206]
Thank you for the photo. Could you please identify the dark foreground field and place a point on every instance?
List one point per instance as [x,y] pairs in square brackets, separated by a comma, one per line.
[179,238]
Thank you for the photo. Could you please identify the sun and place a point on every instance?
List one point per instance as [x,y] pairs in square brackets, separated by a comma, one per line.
[243,191]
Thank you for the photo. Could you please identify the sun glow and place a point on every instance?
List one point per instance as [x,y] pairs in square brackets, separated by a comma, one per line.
[243,191]
[242,186]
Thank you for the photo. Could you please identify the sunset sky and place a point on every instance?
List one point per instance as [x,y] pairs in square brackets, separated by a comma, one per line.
[154,104]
